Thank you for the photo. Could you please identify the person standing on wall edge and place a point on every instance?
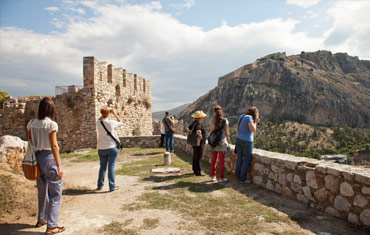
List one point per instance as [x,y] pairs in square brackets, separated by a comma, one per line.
[247,126]
[168,123]
[163,133]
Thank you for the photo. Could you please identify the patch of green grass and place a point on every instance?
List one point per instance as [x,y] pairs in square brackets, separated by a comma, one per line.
[87,158]
[149,224]
[67,155]
[117,228]
[8,193]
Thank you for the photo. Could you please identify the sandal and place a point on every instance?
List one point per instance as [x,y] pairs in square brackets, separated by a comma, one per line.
[40,224]
[55,230]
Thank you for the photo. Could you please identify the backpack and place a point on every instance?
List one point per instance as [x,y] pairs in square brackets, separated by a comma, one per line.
[216,135]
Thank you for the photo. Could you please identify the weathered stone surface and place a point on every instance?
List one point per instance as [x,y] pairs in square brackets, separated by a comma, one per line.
[341,204]
[257,180]
[296,187]
[331,183]
[307,192]
[12,151]
[302,198]
[311,179]
[287,192]
[360,201]
[332,211]
[297,179]
[289,177]
[333,171]
[269,185]
[363,177]
[322,195]
[274,168]
[346,189]
[259,167]
[365,217]
[365,190]
[281,179]
[278,188]
[321,169]
[353,218]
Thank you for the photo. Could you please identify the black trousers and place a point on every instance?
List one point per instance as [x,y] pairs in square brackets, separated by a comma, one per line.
[162,140]
[197,156]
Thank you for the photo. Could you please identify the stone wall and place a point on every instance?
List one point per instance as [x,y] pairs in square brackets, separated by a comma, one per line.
[179,127]
[12,152]
[78,109]
[339,190]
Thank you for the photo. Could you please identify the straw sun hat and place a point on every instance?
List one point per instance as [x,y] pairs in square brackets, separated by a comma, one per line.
[198,114]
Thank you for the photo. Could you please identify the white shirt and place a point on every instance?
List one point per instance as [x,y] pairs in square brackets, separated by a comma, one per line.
[163,131]
[40,132]
[104,140]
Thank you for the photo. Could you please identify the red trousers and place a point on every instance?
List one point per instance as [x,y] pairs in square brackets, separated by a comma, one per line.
[221,164]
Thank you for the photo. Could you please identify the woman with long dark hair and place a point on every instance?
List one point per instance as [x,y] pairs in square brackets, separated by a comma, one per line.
[42,132]
[217,122]
[244,143]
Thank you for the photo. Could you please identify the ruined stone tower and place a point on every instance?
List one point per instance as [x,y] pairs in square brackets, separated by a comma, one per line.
[79,108]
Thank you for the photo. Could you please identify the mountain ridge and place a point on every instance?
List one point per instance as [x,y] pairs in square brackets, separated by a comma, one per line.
[316,88]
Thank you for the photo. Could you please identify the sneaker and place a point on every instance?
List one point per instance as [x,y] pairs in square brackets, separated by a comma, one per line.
[115,189]
[214,179]
[98,189]
[222,180]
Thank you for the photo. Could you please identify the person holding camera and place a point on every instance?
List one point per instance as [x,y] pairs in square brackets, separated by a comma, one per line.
[244,143]
[168,123]
[107,146]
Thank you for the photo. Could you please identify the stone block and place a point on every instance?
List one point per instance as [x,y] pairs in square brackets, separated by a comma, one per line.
[353,218]
[341,203]
[363,178]
[287,192]
[296,187]
[278,188]
[281,179]
[289,177]
[257,180]
[297,179]
[366,190]
[346,189]
[333,171]
[311,179]
[302,198]
[259,167]
[307,192]
[274,168]
[269,185]
[331,211]
[360,201]
[365,217]
[322,195]
[331,183]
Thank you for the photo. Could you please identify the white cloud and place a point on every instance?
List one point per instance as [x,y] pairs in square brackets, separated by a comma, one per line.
[78,10]
[182,61]
[188,3]
[52,9]
[303,3]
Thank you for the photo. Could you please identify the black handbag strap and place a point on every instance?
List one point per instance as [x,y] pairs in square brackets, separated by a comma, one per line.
[241,119]
[110,134]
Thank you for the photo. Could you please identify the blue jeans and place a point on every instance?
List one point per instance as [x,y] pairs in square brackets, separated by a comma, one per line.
[244,151]
[107,156]
[169,141]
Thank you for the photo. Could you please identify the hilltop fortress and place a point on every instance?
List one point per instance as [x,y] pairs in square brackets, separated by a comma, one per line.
[79,108]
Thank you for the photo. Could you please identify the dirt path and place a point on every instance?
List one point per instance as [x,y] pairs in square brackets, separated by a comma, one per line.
[85,211]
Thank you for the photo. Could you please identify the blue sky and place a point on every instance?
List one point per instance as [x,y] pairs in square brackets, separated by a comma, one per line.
[182,46]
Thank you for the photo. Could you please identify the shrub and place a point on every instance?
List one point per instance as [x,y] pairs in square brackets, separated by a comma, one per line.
[136,131]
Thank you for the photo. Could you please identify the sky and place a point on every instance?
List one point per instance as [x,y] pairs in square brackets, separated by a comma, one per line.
[181,46]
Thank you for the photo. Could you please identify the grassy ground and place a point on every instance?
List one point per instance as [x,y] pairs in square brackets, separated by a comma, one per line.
[82,155]
[217,207]
[7,193]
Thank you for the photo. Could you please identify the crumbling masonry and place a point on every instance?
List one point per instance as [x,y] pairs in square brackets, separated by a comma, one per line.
[78,109]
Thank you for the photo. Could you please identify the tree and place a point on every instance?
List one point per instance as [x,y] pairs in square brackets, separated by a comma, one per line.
[3,94]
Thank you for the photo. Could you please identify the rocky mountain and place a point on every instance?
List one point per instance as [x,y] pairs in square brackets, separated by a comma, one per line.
[316,88]
[174,111]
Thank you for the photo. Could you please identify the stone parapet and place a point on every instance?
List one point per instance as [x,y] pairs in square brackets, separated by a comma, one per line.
[339,190]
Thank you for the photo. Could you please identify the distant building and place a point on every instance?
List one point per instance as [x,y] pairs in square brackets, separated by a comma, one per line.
[337,158]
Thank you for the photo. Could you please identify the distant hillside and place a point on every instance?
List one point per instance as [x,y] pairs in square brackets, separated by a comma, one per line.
[177,110]
[318,88]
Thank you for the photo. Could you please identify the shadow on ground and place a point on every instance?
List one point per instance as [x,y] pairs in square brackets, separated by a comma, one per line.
[16,228]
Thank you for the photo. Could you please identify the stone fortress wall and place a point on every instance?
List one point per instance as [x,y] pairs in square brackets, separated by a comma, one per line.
[340,190]
[78,109]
